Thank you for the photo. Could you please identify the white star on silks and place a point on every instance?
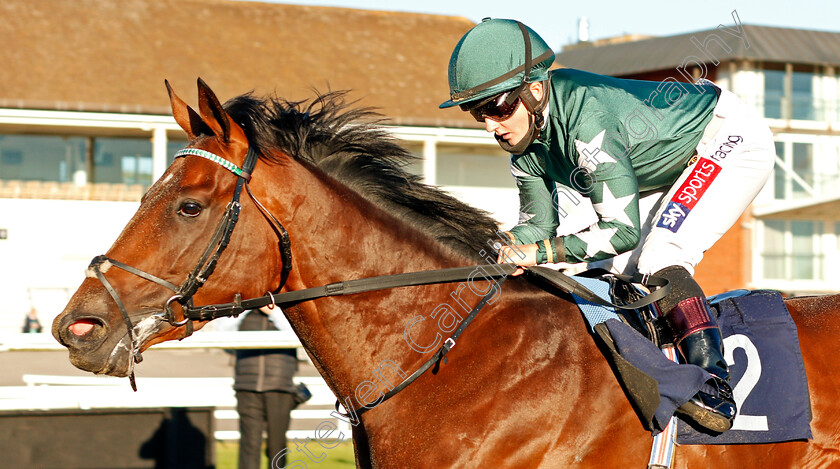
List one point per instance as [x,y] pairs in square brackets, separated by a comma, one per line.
[597,239]
[525,216]
[613,208]
[590,154]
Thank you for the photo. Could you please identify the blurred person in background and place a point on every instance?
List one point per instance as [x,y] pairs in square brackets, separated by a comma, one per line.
[265,392]
[31,322]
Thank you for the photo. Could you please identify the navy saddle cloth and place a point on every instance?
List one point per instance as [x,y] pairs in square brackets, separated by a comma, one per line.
[766,368]
[761,347]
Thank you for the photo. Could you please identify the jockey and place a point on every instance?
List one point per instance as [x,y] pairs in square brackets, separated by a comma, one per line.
[668,166]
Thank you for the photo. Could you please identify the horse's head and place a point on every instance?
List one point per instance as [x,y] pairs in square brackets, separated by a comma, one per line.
[133,295]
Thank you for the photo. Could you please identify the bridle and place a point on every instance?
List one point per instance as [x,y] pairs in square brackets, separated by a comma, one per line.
[206,264]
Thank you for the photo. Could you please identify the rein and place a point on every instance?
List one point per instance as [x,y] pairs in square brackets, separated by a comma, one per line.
[347,287]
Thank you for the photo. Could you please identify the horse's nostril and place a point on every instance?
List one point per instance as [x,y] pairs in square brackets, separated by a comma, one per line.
[83,326]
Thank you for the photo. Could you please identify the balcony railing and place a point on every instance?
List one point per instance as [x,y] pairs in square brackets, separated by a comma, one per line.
[16,189]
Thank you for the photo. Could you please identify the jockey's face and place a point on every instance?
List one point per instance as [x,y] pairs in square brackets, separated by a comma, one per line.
[514,129]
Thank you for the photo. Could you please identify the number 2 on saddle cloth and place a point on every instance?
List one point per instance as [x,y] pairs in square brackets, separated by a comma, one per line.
[757,330]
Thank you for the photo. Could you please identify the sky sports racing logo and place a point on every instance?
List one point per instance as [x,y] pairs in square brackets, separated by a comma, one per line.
[689,193]
[705,171]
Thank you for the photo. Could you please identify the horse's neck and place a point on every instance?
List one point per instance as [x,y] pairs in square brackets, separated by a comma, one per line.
[337,235]
[345,236]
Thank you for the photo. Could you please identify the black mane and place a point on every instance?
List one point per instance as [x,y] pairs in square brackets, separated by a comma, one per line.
[348,144]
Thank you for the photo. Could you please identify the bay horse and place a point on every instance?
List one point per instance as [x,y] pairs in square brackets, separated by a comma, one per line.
[526,386]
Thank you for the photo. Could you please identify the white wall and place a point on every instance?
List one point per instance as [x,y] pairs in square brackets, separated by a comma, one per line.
[49,245]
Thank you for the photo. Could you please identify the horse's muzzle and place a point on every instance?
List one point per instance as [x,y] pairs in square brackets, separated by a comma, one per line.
[82,333]
[86,338]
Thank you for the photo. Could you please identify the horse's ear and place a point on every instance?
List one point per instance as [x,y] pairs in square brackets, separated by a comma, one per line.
[215,116]
[185,116]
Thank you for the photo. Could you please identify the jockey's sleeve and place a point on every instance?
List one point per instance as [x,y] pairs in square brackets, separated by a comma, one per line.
[603,172]
[537,212]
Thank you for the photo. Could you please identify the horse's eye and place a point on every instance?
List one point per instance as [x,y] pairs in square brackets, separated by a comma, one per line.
[190,209]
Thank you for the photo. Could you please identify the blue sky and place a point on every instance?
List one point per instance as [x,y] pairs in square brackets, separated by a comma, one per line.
[556,20]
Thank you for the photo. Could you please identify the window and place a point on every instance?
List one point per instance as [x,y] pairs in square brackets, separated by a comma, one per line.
[802,161]
[802,98]
[86,167]
[41,158]
[792,250]
[774,92]
[837,232]
[12,157]
[123,160]
[832,110]
[804,259]
[414,166]
[799,156]
[172,147]
[774,249]
[458,166]
[779,176]
[792,95]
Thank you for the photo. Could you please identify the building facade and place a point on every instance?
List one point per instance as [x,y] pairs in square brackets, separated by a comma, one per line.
[85,126]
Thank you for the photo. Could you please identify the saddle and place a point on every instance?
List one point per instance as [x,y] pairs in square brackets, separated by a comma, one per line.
[631,304]
[646,319]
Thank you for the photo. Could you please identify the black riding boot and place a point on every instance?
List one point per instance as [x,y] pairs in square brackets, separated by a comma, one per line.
[698,339]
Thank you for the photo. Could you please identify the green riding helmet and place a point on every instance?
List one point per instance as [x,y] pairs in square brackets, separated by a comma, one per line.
[496,56]
[491,58]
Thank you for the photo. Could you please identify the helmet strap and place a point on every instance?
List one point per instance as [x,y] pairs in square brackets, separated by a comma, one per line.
[536,120]
[520,147]
[536,107]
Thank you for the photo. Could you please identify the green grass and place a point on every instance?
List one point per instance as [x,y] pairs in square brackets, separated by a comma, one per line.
[340,457]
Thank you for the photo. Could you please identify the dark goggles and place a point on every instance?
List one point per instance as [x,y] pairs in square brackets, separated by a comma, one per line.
[497,108]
